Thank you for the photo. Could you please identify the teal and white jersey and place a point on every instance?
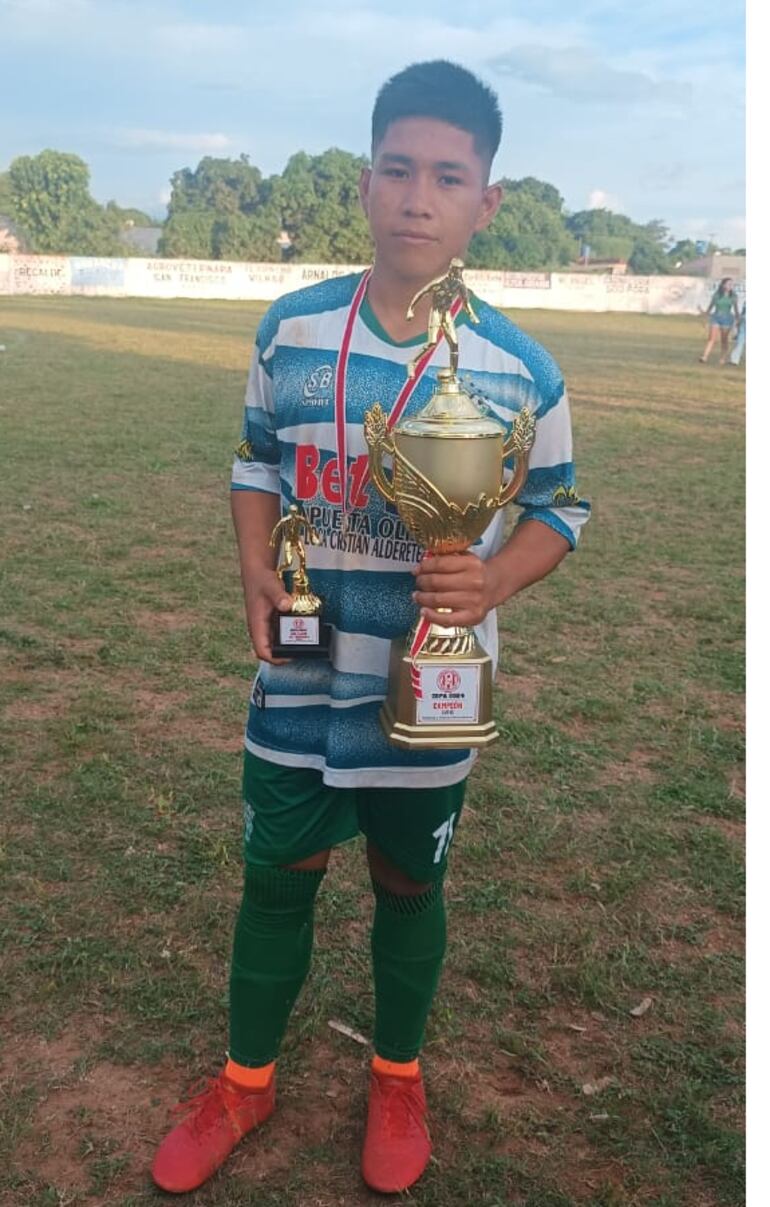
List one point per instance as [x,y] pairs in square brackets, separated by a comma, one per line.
[324,714]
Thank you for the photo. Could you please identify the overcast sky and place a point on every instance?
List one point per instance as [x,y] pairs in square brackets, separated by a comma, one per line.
[638,107]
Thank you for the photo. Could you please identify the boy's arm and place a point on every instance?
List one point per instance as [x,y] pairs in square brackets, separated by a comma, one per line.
[256,502]
[552,516]
[255,515]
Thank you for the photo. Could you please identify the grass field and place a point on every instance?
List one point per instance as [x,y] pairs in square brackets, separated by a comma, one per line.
[599,863]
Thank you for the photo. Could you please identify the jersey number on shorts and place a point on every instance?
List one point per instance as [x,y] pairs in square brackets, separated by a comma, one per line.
[444,835]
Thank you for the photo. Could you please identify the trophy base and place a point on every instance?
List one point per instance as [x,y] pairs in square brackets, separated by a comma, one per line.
[455,711]
[299,636]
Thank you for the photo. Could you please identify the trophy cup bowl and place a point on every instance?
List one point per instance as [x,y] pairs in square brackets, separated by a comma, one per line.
[446,483]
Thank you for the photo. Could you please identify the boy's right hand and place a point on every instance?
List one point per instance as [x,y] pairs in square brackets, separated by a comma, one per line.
[265,595]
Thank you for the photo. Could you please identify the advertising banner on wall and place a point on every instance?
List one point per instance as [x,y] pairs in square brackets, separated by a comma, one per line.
[213,279]
[40,274]
[92,276]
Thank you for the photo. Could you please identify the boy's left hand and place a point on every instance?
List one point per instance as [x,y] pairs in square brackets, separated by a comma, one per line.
[459,581]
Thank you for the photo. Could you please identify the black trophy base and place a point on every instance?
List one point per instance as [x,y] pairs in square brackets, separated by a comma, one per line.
[297,636]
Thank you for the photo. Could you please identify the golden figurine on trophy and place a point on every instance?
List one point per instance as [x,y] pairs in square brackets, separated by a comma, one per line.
[301,632]
[446,483]
[440,321]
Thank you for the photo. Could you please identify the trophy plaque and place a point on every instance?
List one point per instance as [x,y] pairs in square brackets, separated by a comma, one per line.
[301,632]
[446,481]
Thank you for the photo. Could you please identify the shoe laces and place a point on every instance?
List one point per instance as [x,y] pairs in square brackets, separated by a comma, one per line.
[402,1111]
[206,1106]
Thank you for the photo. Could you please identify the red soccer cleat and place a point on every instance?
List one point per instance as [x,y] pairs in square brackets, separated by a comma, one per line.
[216,1119]
[397,1144]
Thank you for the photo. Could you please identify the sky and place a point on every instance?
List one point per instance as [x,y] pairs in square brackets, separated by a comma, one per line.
[636,107]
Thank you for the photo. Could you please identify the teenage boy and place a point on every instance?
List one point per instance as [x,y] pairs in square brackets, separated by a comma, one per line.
[318,768]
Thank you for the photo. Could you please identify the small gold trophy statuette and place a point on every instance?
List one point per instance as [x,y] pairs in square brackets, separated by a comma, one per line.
[300,632]
[447,484]
[444,290]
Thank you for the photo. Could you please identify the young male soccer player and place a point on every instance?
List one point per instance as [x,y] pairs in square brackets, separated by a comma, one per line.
[318,768]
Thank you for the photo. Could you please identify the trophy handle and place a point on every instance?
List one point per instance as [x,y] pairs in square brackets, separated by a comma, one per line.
[379,442]
[519,443]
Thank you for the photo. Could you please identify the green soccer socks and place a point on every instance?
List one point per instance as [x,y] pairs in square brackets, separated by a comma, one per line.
[408,945]
[271,958]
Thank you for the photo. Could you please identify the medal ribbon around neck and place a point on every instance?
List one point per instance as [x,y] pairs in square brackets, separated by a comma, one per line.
[340,423]
[340,386]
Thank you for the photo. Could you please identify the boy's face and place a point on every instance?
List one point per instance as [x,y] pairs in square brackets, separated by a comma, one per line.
[425,196]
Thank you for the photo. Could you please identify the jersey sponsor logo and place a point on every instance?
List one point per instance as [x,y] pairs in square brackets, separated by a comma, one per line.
[316,391]
[310,482]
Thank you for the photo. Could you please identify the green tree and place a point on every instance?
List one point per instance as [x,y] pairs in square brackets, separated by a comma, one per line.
[527,233]
[188,235]
[51,200]
[611,247]
[644,245]
[7,208]
[682,251]
[318,200]
[223,209]
[648,258]
[589,225]
[248,236]
[228,186]
[541,190]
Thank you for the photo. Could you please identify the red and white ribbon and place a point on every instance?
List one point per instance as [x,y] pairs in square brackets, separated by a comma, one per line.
[340,385]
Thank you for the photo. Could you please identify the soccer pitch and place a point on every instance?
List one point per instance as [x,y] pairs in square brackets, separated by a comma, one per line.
[600,858]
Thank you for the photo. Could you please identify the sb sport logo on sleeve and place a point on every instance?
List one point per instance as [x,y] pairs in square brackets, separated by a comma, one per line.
[316,390]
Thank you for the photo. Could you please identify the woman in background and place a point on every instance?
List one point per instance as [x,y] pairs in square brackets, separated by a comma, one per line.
[723,315]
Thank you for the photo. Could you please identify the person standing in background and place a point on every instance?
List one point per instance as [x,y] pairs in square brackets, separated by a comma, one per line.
[722,314]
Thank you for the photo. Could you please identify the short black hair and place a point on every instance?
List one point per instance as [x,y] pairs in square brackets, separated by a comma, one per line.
[444,91]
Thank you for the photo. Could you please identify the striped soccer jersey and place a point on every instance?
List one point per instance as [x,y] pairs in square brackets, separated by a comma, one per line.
[321,713]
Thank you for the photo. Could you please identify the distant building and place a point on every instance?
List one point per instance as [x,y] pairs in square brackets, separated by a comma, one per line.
[11,240]
[143,238]
[713,266]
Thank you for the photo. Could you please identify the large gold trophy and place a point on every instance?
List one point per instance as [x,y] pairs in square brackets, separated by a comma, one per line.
[447,483]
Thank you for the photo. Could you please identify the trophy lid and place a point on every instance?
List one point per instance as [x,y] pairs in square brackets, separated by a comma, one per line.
[451,412]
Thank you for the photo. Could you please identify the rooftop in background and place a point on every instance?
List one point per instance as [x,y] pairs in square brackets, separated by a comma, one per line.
[143,238]
[715,265]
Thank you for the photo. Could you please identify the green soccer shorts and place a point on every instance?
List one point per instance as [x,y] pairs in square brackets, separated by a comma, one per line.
[290,814]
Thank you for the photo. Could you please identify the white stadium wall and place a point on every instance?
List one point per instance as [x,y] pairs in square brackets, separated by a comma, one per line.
[83,276]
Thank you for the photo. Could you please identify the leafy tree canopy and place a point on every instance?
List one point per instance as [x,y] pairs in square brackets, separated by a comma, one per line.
[526,233]
[648,257]
[225,209]
[247,236]
[317,196]
[541,190]
[51,200]
[188,235]
[229,186]
[6,195]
